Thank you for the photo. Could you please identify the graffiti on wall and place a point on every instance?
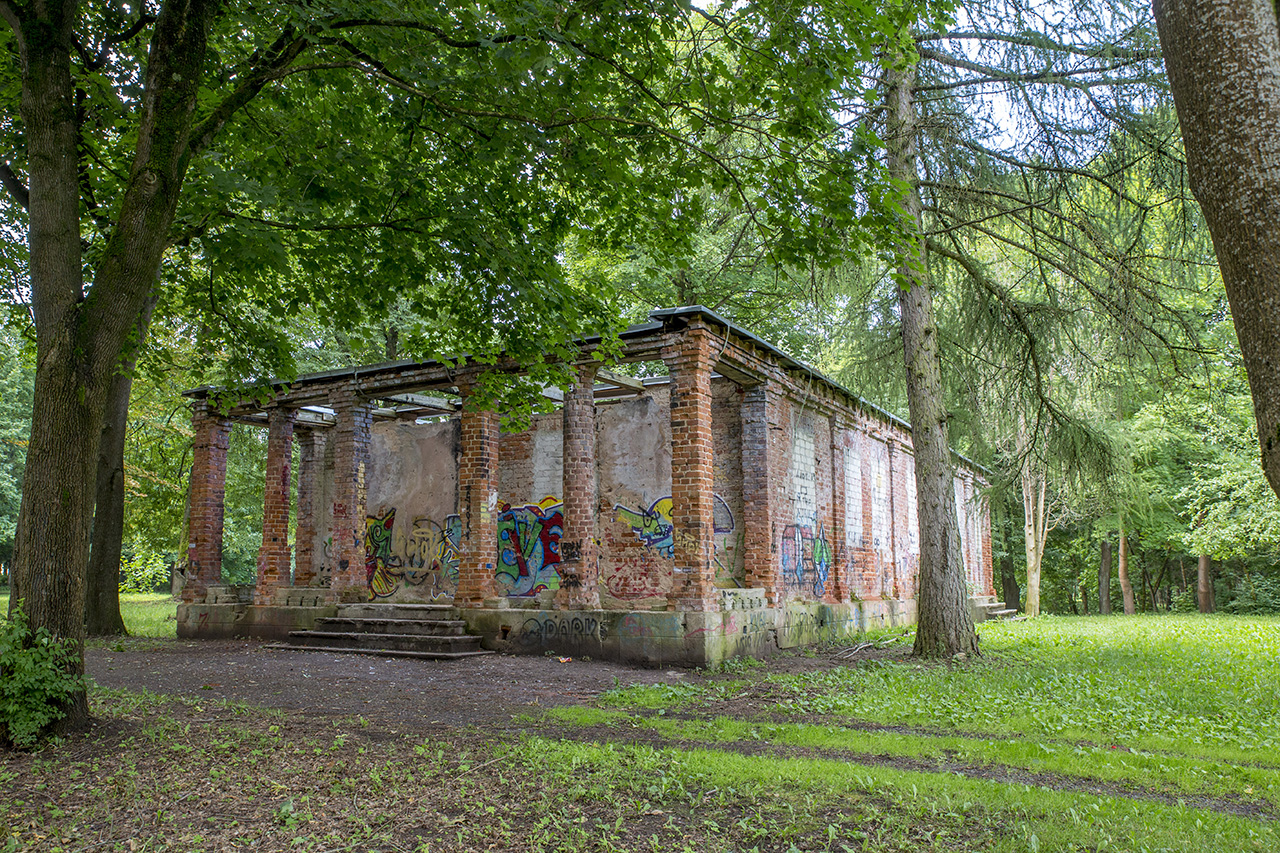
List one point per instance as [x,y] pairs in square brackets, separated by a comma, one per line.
[633,578]
[529,547]
[804,552]
[653,526]
[806,558]
[423,555]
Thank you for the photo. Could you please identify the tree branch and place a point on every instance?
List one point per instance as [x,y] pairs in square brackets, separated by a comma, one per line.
[14,185]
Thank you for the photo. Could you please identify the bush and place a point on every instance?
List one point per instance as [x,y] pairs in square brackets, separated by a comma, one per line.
[36,680]
[1255,594]
[1184,600]
[144,571]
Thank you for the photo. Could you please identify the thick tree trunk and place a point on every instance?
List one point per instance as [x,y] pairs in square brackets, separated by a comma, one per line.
[1104,581]
[1223,58]
[944,626]
[102,580]
[51,541]
[1084,598]
[1204,584]
[1122,569]
[81,335]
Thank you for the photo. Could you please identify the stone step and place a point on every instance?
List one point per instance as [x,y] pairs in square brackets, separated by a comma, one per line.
[377,610]
[365,625]
[383,653]
[401,642]
[1002,614]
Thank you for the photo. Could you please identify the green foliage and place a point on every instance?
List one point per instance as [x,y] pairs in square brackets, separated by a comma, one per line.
[1255,594]
[36,680]
[17,372]
[144,571]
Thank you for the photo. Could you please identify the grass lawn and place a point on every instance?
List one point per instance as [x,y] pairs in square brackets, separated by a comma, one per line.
[1082,734]
[146,614]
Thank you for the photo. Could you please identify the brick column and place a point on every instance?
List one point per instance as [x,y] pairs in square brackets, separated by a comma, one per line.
[310,463]
[353,417]
[839,590]
[477,504]
[579,564]
[692,478]
[759,544]
[208,489]
[273,556]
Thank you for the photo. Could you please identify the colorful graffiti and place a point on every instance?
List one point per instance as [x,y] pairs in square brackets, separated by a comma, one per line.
[631,578]
[806,558]
[529,547]
[425,556]
[379,564]
[653,526]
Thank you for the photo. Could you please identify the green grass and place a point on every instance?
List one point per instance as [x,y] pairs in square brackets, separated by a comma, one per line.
[145,614]
[1120,713]
[1130,735]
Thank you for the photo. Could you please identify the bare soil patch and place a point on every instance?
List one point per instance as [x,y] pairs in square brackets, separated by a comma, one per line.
[483,691]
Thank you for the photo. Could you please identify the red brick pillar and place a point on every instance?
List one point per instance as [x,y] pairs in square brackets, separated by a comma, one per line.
[839,589]
[692,478]
[988,578]
[208,489]
[579,566]
[273,556]
[760,559]
[310,463]
[477,504]
[353,418]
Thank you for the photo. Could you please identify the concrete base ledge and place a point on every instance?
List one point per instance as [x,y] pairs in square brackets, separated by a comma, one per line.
[657,638]
[265,622]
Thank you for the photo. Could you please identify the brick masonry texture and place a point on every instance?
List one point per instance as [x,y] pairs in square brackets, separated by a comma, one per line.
[274,555]
[208,489]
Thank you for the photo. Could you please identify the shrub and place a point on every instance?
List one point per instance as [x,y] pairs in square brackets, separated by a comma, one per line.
[1255,594]
[36,680]
[1184,600]
[144,571]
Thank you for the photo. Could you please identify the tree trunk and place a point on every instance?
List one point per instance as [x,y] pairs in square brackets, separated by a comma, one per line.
[1009,590]
[102,581]
[1223,58]
[1084,598]
[1204,584]
[81,335]
[944,626]
[1009,583]
[1122,569]
[1035,521]
[1104,581]
[51,541]
[1156,587]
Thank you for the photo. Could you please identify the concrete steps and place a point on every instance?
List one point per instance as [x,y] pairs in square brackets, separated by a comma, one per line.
[988,608]
[424,631]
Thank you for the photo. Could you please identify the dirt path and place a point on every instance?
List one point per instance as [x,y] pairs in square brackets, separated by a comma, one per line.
[485,691]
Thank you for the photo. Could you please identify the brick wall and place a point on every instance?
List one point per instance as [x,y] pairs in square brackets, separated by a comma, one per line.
[208,489]
[274,557]
[350,439]
[310,473]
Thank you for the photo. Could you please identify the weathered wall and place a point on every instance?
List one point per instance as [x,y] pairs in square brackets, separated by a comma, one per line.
[531,510]
[633,457]
[412,513]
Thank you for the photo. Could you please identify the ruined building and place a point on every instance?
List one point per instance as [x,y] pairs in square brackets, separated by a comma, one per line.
[740,504]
